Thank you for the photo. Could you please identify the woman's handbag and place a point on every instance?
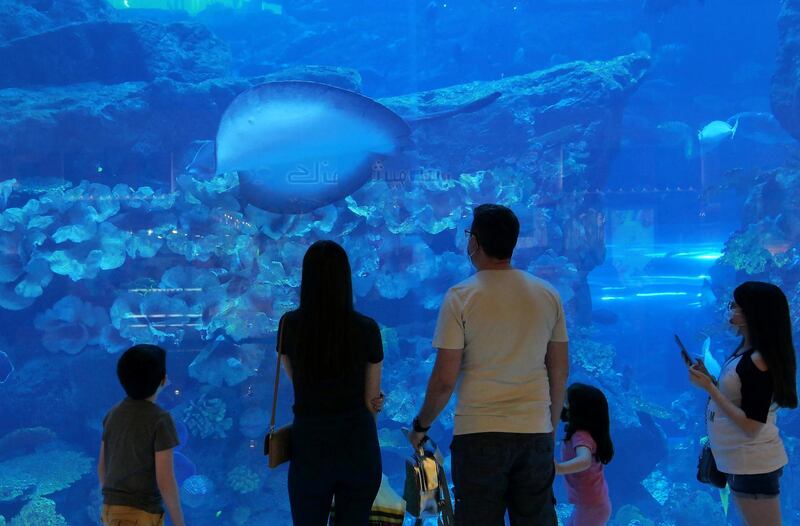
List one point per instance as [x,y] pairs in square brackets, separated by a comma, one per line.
[707,471]
[278,443]
[426,491]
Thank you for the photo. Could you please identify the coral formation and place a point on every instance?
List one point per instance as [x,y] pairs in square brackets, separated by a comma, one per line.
[242,479]
[41,473]
[593,357]
[71,325]
[205,417]
[746,251]
[195,490]
[630,515]
[39,512]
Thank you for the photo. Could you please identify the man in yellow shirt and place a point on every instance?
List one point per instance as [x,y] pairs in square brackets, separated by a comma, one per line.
[502,347]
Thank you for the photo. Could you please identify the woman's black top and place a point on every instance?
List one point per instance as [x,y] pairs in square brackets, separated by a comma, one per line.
[337,393]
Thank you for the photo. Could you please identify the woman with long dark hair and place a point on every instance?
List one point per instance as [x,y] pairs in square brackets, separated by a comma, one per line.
[587,448]
[757,379]
[334,356]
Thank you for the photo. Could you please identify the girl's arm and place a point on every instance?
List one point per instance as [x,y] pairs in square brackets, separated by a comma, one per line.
[581,462]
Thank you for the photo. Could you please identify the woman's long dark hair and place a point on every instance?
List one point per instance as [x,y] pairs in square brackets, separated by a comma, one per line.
[325,344]
[588,411]
[769,327]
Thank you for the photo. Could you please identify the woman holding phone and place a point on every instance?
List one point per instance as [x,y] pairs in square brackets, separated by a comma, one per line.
[756,380]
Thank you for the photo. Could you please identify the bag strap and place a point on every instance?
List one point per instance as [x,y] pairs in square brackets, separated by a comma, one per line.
[277,377]
[447,517]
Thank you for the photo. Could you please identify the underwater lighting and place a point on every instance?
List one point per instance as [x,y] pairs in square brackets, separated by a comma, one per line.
[659,294]
[612,298]
[710,256]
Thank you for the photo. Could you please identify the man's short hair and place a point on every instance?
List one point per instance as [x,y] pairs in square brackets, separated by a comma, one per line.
[497,230]
[141,369]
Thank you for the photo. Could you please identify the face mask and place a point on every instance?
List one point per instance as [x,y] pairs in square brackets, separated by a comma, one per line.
[732,327]
[470,254]
[565,414]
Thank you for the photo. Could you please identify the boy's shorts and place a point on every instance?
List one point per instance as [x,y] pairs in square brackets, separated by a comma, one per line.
[126,516]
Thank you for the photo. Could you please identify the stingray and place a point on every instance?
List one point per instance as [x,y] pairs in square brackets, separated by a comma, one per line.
[299,145]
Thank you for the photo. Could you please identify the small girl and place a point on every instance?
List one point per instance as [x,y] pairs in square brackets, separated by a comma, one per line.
[587,448]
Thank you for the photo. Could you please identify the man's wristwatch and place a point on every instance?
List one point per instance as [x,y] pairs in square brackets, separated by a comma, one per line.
[418,427]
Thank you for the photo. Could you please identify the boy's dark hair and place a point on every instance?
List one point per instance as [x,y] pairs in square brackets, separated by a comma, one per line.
[769,325]
[496,229]
[141,369]
[588,411]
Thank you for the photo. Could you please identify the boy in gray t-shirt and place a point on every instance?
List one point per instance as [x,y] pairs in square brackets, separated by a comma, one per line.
[136,469]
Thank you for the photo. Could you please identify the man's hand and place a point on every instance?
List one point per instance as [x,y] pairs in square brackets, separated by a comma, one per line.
[416,439]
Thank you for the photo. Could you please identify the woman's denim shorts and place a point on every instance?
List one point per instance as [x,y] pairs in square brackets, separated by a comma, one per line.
[761,486]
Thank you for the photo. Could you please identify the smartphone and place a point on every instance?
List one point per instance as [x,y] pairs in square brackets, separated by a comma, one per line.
[684,353]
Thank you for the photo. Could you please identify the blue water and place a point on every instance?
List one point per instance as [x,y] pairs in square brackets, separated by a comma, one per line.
[106,239]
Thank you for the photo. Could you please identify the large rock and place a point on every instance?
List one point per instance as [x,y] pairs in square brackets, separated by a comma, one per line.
[786,82]
[141,125]
[112,53]
[21,18]
[557,130]
[577,106]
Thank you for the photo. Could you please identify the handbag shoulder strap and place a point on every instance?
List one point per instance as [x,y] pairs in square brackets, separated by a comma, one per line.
[277,375]
[447,517]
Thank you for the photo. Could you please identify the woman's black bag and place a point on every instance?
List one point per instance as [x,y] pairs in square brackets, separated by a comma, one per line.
[707,471]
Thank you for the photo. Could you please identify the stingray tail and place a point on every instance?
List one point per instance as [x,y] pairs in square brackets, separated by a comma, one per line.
[466,108]
[204,161]
[735,127]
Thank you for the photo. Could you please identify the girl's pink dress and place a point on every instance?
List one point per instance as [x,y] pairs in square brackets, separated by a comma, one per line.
[587,490]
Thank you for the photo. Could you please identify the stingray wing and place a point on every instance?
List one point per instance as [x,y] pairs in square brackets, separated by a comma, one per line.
[300,145]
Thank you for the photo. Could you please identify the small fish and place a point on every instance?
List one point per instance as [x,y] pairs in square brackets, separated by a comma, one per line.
[714,133]
[712,365]
[724,497]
